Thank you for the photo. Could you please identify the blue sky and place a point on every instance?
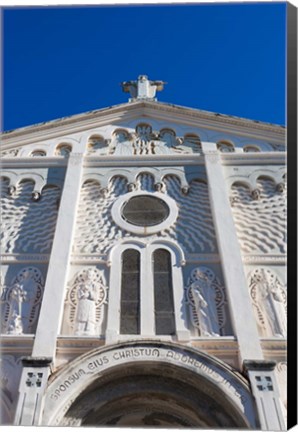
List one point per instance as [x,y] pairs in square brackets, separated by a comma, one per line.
[224,58]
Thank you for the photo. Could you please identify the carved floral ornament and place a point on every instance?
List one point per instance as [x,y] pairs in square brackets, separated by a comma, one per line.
[21,301]
[143,141]
[206,299]
[269,300]
[85,300]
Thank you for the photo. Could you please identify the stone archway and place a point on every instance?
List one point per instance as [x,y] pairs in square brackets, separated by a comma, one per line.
[148,384]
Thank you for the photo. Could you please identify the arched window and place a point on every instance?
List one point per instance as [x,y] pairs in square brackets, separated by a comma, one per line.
[130,292]
[163,293]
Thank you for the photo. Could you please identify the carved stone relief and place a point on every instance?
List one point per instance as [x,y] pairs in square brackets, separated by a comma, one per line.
[85,302]
[206,299]
[260,217]
[281,375]
[269,301]
[145,141]
[21,301]
[97,233]
[9,153]
[28,225]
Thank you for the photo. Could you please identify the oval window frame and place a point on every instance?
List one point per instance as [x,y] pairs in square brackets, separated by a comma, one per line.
[116,212]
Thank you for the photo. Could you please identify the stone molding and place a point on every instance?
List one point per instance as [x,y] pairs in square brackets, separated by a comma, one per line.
[79,374]
[121,111]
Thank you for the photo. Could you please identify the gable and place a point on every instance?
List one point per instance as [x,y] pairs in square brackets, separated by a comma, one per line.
[74,132]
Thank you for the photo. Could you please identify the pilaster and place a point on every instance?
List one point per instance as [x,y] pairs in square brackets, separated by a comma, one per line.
[265,391]
[242,316]
[54,293]
[33,383]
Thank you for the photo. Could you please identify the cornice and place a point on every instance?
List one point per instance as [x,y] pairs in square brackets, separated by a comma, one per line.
[262,158]
[101,117]
[24,258]
[264,259]
[147,160]
[34,162]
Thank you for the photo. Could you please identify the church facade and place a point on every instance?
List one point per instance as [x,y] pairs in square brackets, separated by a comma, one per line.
[143,269]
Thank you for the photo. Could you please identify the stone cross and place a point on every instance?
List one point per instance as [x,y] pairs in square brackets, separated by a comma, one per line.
[34,379]
[142,88]
[264,383]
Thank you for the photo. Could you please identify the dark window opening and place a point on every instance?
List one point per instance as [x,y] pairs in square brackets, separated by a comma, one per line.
[144,210]
[130,293]
[163,293]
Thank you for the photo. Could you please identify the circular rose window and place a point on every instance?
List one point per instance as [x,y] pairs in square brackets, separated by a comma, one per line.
[144,213]
[145,210]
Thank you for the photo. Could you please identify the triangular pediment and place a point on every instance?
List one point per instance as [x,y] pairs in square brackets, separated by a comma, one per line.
[158,114]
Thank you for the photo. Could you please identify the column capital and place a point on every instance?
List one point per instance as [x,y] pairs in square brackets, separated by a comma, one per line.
[36,361]
[258,365]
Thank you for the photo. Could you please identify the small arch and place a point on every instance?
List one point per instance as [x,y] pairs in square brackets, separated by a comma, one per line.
[167,130]
[251,149]
[91,180]
[63,149]
[123,131]
[192,141]
[143,126]
[38,153]
[145,181]
[225,146]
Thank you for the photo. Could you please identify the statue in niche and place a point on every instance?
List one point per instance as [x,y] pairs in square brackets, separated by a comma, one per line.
[88,294]
[23,298]
[121,145]
[270,303]
[206,298]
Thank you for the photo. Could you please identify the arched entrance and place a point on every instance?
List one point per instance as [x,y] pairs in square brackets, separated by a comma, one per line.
[148,384]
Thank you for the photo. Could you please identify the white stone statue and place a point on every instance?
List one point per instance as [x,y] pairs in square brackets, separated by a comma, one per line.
[121,144]
[22,296]
[269,302]
[203,294]
[86,309]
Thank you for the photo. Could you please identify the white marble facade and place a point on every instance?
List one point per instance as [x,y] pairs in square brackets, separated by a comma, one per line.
[143,222]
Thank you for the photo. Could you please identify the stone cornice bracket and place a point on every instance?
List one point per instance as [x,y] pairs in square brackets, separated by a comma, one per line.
[37,362]
[258,365]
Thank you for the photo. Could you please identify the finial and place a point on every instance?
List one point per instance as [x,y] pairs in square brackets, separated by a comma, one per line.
[142,88]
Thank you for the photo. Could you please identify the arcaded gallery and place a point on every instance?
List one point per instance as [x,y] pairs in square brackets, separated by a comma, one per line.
[143,269]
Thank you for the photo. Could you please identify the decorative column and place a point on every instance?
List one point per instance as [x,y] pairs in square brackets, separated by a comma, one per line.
[242,315]
[51,312]
[31,389]
[265,390]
